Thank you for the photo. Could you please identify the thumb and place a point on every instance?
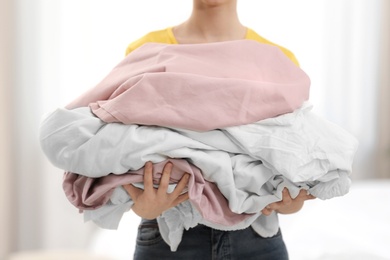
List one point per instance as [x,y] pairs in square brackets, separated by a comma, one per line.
[134,192]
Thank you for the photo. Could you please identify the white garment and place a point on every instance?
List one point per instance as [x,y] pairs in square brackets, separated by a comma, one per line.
[250,164]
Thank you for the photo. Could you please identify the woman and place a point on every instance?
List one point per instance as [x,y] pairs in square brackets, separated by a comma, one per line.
[210,21]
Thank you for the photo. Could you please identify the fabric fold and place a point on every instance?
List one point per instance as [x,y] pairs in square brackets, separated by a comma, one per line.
[232,114]
[188,86]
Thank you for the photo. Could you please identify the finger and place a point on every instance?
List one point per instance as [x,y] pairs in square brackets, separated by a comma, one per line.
[267,211]
[133,191]
[164,181]
[148,177]
[286,199]
[180,199]
[304,195]
[310,197]
[181,185]
[307,195]
[274,206]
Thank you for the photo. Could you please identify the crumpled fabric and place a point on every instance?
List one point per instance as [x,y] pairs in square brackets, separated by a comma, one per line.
[249,178]
[243,124]
[199,87]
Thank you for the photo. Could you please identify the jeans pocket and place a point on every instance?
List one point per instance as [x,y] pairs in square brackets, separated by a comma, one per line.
[148,234]
[278,235]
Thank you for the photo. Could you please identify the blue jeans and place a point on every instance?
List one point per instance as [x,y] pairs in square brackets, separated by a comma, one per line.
[203,243]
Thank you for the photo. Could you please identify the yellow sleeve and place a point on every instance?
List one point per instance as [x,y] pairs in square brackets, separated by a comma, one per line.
[289,54]
[252,35]
[160,36]
[166,36]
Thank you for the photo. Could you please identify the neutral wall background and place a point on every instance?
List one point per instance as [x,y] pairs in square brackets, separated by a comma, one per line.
[52,50]
[383,158]
[6,192]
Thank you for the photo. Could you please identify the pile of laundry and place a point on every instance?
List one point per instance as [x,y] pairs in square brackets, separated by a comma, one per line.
[234,115]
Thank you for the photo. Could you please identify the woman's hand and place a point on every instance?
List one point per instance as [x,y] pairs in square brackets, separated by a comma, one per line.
[151,202]
[288,205]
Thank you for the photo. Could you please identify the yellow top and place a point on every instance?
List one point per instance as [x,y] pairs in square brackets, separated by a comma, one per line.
[167,36]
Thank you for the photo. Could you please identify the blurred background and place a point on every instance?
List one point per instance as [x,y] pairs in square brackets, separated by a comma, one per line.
[53,50]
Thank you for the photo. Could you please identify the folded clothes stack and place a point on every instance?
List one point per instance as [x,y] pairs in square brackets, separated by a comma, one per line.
[234,115]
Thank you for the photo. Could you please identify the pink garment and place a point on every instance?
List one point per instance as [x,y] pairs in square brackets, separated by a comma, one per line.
[92,193]
[199,86]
